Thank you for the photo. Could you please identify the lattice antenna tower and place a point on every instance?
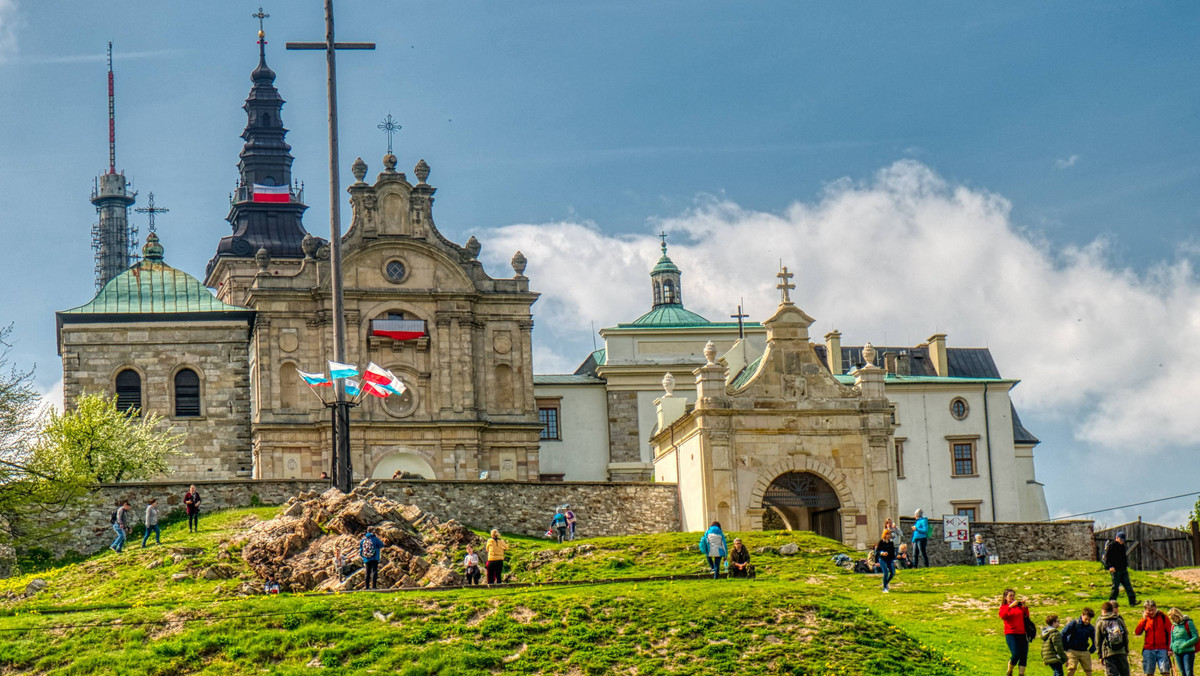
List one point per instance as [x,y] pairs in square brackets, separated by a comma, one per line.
[114,237]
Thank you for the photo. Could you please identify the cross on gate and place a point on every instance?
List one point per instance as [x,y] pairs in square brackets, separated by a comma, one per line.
[739,317]
[151,209]
[784,285]
[389,127]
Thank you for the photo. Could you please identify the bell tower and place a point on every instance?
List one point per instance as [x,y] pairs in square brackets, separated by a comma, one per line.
[664,279]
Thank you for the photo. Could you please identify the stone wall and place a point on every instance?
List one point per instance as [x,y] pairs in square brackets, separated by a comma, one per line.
[623,441]
[603,508]
[1013,542]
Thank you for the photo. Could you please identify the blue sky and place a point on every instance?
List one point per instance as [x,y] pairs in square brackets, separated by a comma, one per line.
[876,146]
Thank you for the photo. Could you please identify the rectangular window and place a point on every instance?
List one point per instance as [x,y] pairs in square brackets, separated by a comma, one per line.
[900,458]
[969,509]
[548,418]
[964,457]
[968,512]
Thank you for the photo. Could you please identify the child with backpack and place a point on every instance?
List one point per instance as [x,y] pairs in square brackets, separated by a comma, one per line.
[714,547]
[1053,653]
[369,549]
[1183,642]
[559,525]
[1112,640]
[980,550]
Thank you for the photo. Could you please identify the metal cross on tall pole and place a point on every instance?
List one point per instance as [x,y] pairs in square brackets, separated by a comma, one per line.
[342,470]
[151,210]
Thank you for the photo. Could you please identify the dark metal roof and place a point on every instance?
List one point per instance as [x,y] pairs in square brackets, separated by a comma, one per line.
[589,365]
[566,379]
[1020,434]
[965,362]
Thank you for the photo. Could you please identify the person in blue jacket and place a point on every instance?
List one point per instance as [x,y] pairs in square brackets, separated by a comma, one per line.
[369,548]
[713,546]
[920,539]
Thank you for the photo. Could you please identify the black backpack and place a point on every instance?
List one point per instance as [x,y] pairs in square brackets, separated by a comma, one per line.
[113,519]
[1030,630]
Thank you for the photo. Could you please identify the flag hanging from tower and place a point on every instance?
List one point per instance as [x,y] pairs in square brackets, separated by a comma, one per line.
[271,193]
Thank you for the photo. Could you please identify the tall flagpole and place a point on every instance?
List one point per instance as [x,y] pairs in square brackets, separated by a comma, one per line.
[342,469]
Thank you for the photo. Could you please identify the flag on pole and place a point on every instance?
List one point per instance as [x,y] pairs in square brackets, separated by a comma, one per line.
[377,374]
[337,370]
[315,379]
[375,389]
[398,329]
[396,386]
[271,193]
[352,387]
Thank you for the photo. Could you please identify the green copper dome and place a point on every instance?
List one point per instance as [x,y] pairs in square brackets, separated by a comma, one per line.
[670,315]
[665,264]
[153,287]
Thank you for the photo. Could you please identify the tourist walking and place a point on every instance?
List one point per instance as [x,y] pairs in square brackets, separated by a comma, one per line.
[120,524]
[1117,562]
[980,550]
[1079,640]
[1183,642]
[471,564]
[714,547]
[739,560]
[570,521]
[1157,629]
[1015,614]
[191,504]
[1053,653]
[885,556]
[339,564]
[369,549]
[920,539]
[896,535]
[495,557]
[559,525]
[1112,641]
[152,523]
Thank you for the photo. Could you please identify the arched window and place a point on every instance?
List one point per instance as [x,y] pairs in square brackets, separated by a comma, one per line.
[129,390]
[289,387]
[266,119]
[657,293]
[669,292]
[187,394]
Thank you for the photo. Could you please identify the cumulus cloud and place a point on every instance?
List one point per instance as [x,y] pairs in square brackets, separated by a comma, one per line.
[1108,351]
[8,28]
[1066,163]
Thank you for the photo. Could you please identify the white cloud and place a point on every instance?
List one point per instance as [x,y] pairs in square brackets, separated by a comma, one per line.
[52,397]
[1066,163]
[1107,351]
[9,20]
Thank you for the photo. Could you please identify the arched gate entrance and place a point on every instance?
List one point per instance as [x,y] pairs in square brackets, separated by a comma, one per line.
[804,501]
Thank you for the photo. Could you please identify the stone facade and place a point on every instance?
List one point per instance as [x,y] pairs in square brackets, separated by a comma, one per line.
[790,439]
[623,443]
[217,442]
[603,509]
[1014,542]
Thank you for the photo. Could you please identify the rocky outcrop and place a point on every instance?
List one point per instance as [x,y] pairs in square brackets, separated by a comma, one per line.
[296,548]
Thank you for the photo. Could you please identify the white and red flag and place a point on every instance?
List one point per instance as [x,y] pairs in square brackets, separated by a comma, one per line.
[271,193]
[375,389]
[377,374]
[398,329]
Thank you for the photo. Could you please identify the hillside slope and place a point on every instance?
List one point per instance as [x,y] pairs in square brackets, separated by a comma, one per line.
[117,614]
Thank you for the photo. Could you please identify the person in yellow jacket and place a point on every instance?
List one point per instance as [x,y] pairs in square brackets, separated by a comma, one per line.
[495,557]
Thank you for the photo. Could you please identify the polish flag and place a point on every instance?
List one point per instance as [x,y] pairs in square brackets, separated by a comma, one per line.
[271,193]
[378,375]
[375,389]
[398,329]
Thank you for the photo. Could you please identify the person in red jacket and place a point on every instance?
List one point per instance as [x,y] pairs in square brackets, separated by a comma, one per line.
[1156,649]
[1014,613]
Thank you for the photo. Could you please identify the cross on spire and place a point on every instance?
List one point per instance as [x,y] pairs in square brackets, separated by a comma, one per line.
[663,235]
[151,209]
[785,285]
[389,126]
[262,34]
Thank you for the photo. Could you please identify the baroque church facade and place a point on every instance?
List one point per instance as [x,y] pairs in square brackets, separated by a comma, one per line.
[759,426]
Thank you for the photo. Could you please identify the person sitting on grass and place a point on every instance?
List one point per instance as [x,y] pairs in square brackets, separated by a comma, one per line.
[271,586]
[714,547]
[1053,653]
[903,560]
[739,560]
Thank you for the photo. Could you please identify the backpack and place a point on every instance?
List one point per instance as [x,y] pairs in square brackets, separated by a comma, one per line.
[368,548]
[113,519]
[1031,631]
[1114,635]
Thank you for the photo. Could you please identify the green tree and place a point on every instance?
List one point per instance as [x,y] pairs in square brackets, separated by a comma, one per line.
[19,414]
[98,443]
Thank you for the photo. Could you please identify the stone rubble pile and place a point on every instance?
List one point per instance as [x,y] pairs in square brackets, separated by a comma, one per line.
[296,547]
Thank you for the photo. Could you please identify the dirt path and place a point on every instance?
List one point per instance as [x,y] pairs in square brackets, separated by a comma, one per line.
[1190,576]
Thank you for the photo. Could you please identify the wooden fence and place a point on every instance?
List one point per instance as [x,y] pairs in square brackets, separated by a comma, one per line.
[1153,547]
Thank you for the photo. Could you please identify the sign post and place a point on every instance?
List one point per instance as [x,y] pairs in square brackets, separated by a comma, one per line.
[956,530]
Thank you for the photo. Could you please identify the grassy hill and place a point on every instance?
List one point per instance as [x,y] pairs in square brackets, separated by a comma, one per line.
[125,614]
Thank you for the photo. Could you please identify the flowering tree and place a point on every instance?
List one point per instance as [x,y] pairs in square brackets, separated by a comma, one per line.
[98,443]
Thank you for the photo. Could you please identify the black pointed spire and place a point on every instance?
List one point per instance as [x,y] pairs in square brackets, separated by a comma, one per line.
[267,208]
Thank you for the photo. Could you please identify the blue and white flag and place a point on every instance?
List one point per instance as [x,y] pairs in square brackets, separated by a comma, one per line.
[352,387]
[337,370]
[396,386]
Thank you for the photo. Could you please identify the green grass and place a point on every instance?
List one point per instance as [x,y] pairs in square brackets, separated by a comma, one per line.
[111,614]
